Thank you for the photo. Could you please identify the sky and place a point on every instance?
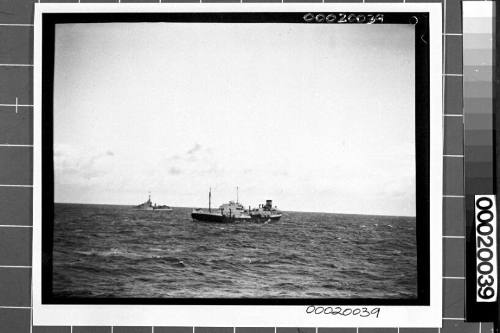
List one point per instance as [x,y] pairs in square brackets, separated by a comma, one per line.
[316,117]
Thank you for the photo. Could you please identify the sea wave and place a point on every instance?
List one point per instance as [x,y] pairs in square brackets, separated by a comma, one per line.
[114,251]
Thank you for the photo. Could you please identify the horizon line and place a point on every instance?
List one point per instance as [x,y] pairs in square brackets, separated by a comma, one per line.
[283,210]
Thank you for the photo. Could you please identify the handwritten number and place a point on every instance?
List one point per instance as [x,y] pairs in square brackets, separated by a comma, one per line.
[337,310]
[343,18]
[362,312]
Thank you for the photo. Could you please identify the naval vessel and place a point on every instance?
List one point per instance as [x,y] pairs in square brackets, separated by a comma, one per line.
[148,205]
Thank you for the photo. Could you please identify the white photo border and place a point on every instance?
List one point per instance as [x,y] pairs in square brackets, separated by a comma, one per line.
[246,315]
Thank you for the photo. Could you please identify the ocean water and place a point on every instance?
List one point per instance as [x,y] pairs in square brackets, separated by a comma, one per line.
[114,251]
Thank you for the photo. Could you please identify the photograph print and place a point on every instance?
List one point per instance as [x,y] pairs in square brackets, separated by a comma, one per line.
[235,158]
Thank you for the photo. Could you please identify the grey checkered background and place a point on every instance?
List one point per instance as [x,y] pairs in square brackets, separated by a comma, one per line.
[16,156]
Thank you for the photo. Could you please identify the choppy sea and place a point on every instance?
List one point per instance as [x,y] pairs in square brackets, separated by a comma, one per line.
[115,251]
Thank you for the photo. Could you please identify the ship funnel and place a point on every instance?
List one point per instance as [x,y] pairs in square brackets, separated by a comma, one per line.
[269,203]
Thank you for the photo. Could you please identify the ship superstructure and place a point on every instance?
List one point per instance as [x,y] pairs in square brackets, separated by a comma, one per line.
[266,211]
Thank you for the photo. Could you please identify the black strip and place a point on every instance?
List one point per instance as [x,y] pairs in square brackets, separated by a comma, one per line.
[48,46]
[234,301]
[421,137]
[254,17]
[422,156]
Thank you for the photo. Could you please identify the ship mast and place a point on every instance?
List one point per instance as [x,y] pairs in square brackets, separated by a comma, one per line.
[210,200]
[237,195]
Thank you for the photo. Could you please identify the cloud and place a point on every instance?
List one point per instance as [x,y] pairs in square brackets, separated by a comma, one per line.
[74,165]
[174,157]
[187,156]
[193,150]
[174,171]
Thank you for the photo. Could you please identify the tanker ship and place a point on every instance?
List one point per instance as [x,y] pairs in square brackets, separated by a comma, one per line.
[235,212]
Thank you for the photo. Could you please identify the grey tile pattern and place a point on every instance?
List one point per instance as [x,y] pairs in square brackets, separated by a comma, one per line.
[221,1]
[453,136]
[91,329]
[303,1]
[342,1]
[51,329]
[16,127]
[213,330]
[254,330]
[16,45]
[453,298]
[453,9]
[454,257]
[15,320]
[15,284]
[378,330]
[16,82]
[459,326]
[16,11]
[261,1]
[453,176]
[59,1]
[295,330]
[15,246]
[454,217]
[453,91]
[423,0]
[337,330]
[173,330]
[453,52]
[132,329]
[15,206]
[382,1]
[15,165]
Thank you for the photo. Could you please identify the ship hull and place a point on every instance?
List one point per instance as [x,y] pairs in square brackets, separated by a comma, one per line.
[266,218]
[218,218]
[274,217]
[208,217]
